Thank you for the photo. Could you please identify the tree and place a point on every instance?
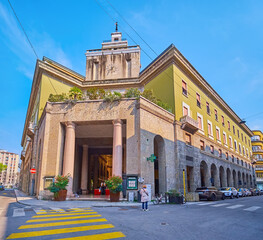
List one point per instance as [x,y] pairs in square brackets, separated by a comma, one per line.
[2,167]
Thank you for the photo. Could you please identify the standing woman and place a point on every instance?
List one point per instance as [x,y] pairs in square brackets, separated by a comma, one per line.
[144,198]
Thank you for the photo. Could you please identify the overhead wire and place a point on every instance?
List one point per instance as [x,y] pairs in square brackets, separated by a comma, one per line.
[30,43]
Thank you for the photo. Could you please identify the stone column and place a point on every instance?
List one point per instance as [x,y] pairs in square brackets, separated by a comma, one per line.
[96,172]
[84,170]
[117,148]
[69,154]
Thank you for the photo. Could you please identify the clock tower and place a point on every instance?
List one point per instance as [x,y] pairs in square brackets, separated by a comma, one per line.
[114,61]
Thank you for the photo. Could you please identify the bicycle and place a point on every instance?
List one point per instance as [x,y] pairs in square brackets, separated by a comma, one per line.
[158,199]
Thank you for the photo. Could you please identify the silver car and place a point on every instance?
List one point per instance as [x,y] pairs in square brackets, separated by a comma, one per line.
[230,192]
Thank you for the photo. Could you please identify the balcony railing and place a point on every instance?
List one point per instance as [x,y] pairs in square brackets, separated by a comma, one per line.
[258,150]
[189,124]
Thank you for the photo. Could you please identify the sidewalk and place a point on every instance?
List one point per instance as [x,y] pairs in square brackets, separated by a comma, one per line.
[33,202]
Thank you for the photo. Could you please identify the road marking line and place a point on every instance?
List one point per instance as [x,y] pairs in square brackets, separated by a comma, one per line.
[102,236]
[62,223]
[206,203]
[58,231]
[220,205]
[235,206]
[18,212]
[57,209]
[63,214]
[61,218]
[251,209]
[55,212]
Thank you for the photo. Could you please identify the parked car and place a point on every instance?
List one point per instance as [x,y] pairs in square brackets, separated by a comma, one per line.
[230,192]
[2,188]
[210,193]
[248,193]
[241,192]
[254,192]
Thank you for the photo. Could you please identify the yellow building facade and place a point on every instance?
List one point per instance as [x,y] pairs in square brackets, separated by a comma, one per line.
[257,148]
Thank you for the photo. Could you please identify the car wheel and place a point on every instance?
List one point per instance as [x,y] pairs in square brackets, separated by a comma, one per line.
[223,197]
[231,196]
[213,197]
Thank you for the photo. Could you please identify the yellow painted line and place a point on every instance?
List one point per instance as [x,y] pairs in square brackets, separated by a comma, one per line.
[58,231]
[101,236]
[4,193]
[62,223]
[63,214]
[61,218]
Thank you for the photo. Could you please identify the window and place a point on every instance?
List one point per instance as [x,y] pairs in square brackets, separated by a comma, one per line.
[242,137]
[217,133]
[202,145]
[234,130]
[233,159]
[237,161]
[235,145]
[199,122]
[238,133]
[188,139]
[223,120]
[224,138]
[185,111]
[240,151]
[245,139]
[249,143]
[244,151]
[220,153]
[230,142]
[228,125]
[184,87]
[198,100]
[212,149]
[216,116]
[207,108]
[209,127]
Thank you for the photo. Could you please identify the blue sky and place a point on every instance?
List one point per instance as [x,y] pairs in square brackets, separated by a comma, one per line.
[222,39]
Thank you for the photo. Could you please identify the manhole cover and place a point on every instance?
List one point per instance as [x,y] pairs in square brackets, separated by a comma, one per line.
[123,209]
[163,223]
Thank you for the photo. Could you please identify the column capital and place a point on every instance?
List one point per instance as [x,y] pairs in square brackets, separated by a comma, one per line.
[70,125]
[117,121]
[85,146]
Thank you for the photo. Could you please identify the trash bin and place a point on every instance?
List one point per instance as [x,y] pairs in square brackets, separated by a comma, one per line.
[138,196]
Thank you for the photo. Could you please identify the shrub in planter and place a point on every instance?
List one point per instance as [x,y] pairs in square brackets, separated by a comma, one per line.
[58,187]
[175,197]
[114,184]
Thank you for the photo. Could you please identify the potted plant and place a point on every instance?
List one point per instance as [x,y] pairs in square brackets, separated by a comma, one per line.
[58,187]
[114,184]
[175,197]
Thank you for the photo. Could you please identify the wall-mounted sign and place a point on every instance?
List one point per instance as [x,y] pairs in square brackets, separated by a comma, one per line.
[132,183]
[33,170]
[151,158]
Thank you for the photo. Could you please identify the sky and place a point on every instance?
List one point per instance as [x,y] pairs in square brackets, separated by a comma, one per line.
[221,39]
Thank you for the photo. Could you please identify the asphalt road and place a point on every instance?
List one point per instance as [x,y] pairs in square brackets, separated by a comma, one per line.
[229,219]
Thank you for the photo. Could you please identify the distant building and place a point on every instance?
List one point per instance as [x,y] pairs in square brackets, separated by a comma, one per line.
[257,148]
[133,138]
[9,176]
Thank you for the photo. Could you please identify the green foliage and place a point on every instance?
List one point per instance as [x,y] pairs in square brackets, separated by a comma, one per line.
[174,193]
[95,93]
[132,93]
[114,184]
[57,97]
[148,94]
[111,97]
[60,183]
[75,93]
[163,105]
[2,167]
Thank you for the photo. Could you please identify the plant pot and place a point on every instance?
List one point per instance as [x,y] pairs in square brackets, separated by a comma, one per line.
[115,197]
[61,196]
[175,199]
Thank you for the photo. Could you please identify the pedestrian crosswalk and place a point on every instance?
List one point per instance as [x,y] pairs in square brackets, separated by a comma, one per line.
[56,222]
[226,205]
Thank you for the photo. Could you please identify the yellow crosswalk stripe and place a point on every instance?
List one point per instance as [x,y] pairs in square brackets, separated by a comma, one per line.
[63,214]
[101,236]
[61,218]
[62,223]
[58,231]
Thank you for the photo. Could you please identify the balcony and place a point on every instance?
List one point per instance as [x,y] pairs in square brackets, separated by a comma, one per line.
[258,150]
[30,130]
[189,124]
